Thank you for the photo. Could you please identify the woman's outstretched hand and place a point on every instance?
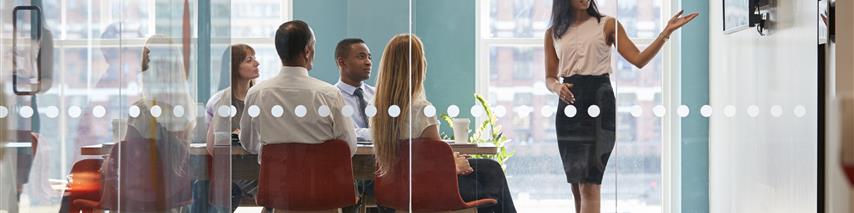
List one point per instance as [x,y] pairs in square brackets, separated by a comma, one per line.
[678,21]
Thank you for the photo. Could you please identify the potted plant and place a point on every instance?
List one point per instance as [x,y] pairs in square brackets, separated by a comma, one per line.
[487,132]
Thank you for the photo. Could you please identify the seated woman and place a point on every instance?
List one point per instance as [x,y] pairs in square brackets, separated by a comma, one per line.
[243,71]
[478,178]
[154,158]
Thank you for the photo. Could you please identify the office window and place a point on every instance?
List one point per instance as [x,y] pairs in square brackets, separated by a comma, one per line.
[255,24]
[510,58]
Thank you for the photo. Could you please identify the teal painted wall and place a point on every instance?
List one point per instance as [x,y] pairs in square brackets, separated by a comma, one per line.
[695,93]
[374,21]
[447,28]
[328,20]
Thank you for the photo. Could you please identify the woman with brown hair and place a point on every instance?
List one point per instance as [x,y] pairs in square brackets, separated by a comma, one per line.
[403,68]
[243,71]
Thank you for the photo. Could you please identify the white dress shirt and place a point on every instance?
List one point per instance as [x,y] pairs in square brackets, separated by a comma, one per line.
[350,99]
[293,87]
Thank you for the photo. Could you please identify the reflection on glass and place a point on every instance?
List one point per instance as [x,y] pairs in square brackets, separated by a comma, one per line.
[638,162]
[632,179]
[518,18]
[265,16]
[517,85]
[641,18]
[529,18]
[157,141]
[84,118]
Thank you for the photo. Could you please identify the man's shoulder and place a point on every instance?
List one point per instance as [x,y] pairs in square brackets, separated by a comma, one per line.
[261,86]
[308,84]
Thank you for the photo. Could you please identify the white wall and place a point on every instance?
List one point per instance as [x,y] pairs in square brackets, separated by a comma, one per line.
[764,164]
[838,192]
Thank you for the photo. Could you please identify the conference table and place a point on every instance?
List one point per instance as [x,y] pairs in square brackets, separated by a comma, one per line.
[361,149]
[244,165]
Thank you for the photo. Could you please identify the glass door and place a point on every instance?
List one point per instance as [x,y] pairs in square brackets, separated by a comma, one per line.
[103,106]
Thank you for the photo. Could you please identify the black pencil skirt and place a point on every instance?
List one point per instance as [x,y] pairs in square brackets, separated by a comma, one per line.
[585,142]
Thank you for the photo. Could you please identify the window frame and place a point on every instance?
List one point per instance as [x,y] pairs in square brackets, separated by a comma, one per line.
[671,87]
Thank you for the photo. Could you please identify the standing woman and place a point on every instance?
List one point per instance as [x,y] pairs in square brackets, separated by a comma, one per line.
[578,50]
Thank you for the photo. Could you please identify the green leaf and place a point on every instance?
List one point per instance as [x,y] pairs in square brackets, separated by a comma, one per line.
[495,135]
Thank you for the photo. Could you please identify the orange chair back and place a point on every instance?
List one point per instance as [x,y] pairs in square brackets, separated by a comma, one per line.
[434,179]
[85,184]
[85,180]
[306,177]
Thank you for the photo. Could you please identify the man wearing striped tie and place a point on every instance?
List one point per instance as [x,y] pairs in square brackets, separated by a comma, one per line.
[354,63]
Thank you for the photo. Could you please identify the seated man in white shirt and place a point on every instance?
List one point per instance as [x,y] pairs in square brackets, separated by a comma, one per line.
[353,58]
[294,107]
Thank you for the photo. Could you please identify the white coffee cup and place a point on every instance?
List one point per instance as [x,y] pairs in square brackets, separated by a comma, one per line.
[461,130]
[120,129]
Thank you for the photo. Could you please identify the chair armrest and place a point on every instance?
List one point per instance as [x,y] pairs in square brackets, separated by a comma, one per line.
[481,202]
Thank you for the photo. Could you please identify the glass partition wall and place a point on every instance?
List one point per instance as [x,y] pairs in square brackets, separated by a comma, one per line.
[116,118]
[510,76]
[147,106]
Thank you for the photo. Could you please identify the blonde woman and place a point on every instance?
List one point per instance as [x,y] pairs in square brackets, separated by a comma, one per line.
[478,178]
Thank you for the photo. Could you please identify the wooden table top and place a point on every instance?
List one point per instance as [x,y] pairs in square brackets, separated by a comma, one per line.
[362,149]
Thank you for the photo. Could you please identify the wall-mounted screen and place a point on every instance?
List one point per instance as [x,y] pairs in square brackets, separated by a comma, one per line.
[736,15]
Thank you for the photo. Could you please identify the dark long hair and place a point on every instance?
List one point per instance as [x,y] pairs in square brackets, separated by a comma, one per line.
[563,15]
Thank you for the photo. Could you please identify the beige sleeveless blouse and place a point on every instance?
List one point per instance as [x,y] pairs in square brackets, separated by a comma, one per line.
[583,50]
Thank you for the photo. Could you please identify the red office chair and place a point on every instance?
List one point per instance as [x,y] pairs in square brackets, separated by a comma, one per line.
[306,177]
[152,176]
[434,180]
[84,183]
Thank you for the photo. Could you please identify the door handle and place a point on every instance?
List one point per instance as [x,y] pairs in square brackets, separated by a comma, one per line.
[27,57]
